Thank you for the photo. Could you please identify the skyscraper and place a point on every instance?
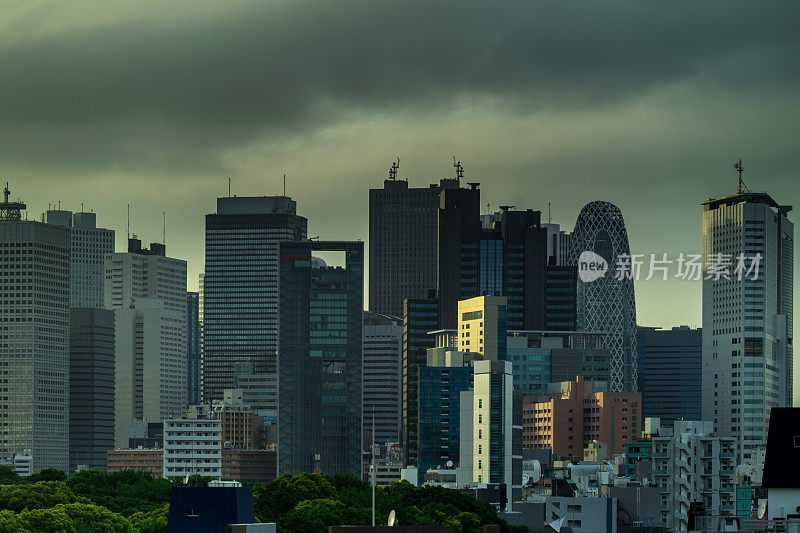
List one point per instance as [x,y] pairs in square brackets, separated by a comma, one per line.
[607,305]
[91,393]
[319,358]
[147,291]
[88,248]
[193,348]
[670,373]
[382,366]
[402,242]
[34,350]
[747,322]
[240,286]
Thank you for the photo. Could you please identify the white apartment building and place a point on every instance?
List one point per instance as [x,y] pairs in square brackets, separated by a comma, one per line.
[147,290]
[747,322]
[192,446]
[691,463]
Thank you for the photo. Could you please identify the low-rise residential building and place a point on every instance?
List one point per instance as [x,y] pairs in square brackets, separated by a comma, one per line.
[148,460]
[574,413]
[192,446]
[691,464]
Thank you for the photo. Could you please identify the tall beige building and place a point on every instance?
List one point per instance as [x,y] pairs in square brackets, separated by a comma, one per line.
[147,290]
[482,326]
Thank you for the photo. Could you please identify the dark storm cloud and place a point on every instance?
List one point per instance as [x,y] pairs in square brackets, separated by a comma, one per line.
[160,91]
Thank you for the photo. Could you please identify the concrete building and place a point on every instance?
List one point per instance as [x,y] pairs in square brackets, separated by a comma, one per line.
[240,286]
[382,377]
[147,459]
[147,291]
[319,364]
[583,514]
[193,349]
[240,425]
[482,326]
[402,242]
[607,305]
[88,248]
[670,373]
[747,315]
[91,393]
[192,446]
[692,464]
[578,412]
[544,357]
[494,457]
[34,349]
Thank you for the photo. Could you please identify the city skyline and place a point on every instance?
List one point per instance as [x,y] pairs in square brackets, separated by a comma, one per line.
[531,112]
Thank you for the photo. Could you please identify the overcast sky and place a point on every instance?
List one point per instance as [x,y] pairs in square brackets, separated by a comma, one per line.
[645,104]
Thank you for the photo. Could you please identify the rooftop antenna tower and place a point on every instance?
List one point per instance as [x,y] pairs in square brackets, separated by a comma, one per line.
[393,169]
[129,221]
[739,168]
[459,169]
[164,228]
[229,186]
[284,184]
[10,210]
[548,212]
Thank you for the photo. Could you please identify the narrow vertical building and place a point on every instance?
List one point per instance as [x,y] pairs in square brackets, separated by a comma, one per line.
[747,315]
[193,348]
[482,326]
[382,364]
[147,291]
[91,396]
[319,358]
[34,349]
[240,286]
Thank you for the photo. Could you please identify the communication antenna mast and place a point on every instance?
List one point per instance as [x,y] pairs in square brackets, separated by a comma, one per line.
[459,169]
[11,210]
[284,184]
[164,228]
[229,186]
[548,212]
[739,168]
[129,221]
[393,169]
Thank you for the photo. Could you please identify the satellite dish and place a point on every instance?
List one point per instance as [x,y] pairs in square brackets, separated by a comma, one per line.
[392,518]
[449,464]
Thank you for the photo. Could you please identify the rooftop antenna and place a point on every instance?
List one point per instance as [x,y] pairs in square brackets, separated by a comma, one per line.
[488,208]
[164,228]
[393,169]
[229,186]
[548,212]
[81,207]
[129,221]
[284,184]
[59,205]
[11,210]
[739,168]
[459,169]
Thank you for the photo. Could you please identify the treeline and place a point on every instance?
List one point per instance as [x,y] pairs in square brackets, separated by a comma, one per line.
[92,501]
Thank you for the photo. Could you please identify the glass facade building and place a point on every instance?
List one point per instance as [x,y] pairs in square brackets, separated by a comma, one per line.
[607,305]
[319,358]
[193,349]
[240,286]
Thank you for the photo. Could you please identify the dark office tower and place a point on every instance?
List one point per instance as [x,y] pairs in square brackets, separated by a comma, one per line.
[319,358]
[240,286]
[193,357]
[91,391]
[607,305]
[382,369]
[671,373]
[560,298]
[420,316]
[402,242]
[459,236]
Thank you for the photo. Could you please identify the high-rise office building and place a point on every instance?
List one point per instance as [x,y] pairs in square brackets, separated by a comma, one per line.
[382,367]
[747,315]
[670,373]
[240,286]
[319,358]
[34,349]
[607,305]
[91,392]
[147,291]
[420,316]
[402,242]
[88,248]
[193,348]
[458,263]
